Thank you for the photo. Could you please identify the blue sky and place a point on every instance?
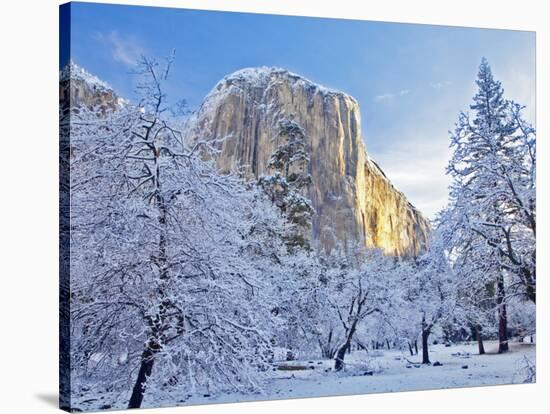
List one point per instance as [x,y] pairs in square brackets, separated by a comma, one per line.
[410,80]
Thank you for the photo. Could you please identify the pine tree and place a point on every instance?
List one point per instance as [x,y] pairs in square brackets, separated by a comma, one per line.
[492,205]
[289,181]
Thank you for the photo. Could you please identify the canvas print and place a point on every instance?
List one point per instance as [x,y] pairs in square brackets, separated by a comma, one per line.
[260,207]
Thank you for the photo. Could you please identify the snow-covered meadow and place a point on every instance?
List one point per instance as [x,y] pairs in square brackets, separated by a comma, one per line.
[393,371]
[379,371]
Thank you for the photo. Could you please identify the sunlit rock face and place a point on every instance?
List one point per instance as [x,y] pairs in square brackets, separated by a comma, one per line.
[353,199]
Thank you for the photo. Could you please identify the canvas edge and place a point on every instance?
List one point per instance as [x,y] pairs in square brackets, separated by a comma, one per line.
[64,226]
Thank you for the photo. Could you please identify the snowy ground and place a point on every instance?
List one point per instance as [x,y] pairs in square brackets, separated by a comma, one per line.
[385,371]
[394,375]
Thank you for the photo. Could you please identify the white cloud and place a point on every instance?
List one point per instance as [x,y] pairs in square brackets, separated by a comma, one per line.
[384,97]
[389,96]
[125,50]
[416,166]
[440,85]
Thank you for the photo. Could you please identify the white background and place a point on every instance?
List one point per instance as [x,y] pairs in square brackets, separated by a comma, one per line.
[28,202]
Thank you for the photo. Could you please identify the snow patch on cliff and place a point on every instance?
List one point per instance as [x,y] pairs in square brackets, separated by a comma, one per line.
[72,71]
[262,76]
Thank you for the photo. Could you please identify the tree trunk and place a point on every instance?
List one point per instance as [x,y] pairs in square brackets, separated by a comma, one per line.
[388,344]
[502,317]
[425,336]
[326,348]
[425,355]
[479,337]
[152,346]
[341,353]
[147,361]
[473,332]
[415,347]
[410,348]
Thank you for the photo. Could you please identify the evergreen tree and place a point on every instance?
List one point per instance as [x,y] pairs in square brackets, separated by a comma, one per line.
[289,181]
[492,198]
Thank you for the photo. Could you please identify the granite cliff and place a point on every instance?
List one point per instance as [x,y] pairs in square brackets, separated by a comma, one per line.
[353,198]
[78,88]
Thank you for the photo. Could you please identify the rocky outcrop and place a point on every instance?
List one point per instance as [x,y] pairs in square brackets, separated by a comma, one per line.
[353,198]
[79,88]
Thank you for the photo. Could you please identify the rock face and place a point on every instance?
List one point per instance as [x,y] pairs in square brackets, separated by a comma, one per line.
[77,88]
[353,199]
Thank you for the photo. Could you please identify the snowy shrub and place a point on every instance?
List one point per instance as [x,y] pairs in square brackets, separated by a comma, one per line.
[526,371]
[367,366]
[377,353]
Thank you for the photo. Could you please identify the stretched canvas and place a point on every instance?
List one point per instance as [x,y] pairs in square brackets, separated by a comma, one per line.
[260,207]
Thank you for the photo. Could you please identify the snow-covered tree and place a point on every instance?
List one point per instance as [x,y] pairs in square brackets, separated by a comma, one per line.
[431,292]
[403,321]
[173,263]
[522,318]
[492,199]
[358,287]
[289,163]
[299,302]
[474,276]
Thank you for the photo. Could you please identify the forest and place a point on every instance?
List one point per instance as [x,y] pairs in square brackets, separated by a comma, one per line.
[188,284]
